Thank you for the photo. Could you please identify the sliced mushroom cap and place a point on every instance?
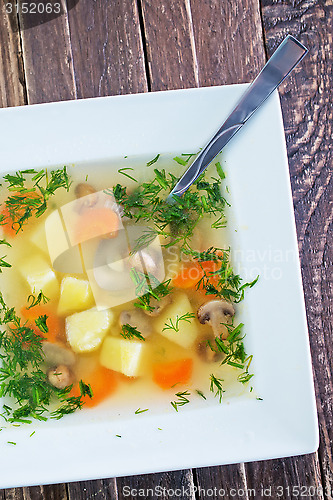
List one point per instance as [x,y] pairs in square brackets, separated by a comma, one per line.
[60,376]
[57,354]
[137,319]
[158,305]
[87,196]
[216,313]
[207,350]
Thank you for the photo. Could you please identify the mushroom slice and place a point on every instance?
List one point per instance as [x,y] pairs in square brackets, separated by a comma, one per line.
[137,319]
[60,376]
[158,305]
[57,354]
[216,313]
[86,195]
[205,352]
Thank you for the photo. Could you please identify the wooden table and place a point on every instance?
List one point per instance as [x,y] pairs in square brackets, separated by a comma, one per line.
[107,47]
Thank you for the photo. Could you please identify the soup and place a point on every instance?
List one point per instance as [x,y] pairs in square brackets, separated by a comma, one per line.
[108,289]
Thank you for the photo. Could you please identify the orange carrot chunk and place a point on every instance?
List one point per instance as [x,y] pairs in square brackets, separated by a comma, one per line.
[190,274]
[103,383]
[170,373]
[96,222]
[52,322]
[7,219]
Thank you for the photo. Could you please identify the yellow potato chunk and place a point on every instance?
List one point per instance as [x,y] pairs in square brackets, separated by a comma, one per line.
[187,330]
[38,238]
[124,356]
[40,276]
[75,295]
[86,330]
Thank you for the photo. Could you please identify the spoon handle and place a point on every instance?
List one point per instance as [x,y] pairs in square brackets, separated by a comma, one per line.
[288,54]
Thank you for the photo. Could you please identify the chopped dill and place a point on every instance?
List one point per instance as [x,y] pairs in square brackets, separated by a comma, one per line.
[154,160]
[216,387]
[140,411]
[179,160]
[200,393]
[31,191]
[131,332]
[182,399]
[35,301]
[123,172]
[175,325]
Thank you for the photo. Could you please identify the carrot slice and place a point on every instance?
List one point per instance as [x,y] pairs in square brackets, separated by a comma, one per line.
[170,373]
[7,220]
[52,322]
[190,274]
[103,383]
[96,222]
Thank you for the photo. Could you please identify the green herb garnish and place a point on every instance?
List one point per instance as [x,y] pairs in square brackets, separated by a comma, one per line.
[154,160]
[175,325]
[216,387]
[131,332]
[182,399]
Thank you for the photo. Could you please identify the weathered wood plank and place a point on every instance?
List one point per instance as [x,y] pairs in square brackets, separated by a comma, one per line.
[228,40]
[225,482]
[107,48]
[12,85]
[93,490]
[13,494]
[50,492]
[169,44]
[47,58]
[287,478]
[155,486]
[308,118]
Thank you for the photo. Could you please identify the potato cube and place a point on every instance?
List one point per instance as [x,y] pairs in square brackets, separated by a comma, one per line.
[187,330]
[75,295]
[40,276]
[38,238]
[124,356]
[86,330]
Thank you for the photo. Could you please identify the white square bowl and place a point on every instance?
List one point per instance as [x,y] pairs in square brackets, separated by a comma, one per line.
[264,242]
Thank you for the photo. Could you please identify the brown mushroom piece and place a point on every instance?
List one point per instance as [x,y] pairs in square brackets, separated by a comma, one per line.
[158,305]
[56,354]
[60,376]
[88,194]
[216,313]
[137,319]
[207,350]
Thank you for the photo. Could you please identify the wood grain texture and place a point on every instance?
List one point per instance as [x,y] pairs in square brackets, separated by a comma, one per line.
[107,48]
[47,58]
[105,489]
[50,492]
[12,85]
[284,478]
[225,482]
[228,40]
[159,485]
[308,123]
[169,44]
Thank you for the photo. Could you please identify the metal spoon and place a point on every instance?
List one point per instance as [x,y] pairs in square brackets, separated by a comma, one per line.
[288,54]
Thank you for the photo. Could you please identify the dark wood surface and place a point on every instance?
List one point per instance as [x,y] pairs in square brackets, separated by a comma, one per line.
[107,47]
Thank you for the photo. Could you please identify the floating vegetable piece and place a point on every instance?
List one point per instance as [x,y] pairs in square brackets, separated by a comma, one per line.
[103,383]
[172,373]
[216,313]
[86,330]
[75,295]
[96,222]
[39,276]
[188,330]
[124,356]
